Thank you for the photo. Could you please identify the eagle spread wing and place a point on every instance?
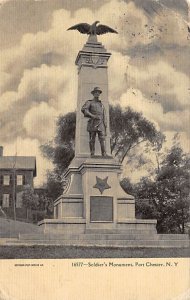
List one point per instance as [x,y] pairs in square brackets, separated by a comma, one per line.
[101,29]
[81,27]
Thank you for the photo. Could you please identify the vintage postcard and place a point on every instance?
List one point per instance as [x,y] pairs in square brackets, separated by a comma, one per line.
[94,149]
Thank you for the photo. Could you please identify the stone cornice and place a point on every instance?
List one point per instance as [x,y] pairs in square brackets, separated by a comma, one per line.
[93,55]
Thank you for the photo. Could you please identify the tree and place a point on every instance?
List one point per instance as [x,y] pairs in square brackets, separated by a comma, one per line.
[128,129]
[54,186]
[167,197]
[143,191]
[61,150]
[45,205]
[174,179]
[38,202]
[30,199]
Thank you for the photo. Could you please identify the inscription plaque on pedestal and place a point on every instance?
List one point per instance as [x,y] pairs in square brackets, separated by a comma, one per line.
[101,209]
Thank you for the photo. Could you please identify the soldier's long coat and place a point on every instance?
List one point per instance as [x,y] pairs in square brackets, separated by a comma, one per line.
[95,107]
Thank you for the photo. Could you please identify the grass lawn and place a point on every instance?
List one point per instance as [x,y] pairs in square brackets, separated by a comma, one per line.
[53,252]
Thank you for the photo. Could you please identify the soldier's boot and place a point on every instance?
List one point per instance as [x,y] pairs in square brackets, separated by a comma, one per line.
[92,148]
[103,147]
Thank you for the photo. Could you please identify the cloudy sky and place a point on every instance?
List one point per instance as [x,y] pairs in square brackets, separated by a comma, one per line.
[149,68]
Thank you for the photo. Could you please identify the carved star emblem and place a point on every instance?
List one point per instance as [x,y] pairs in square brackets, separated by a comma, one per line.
[101,184]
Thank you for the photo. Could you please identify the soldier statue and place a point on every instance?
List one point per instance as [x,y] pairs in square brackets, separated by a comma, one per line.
[95,111]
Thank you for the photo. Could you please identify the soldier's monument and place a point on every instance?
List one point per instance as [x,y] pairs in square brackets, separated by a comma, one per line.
[94,200]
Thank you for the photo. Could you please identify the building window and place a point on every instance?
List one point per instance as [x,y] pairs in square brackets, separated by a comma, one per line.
[6,198]
[19,180]
[6,179]
[19,200]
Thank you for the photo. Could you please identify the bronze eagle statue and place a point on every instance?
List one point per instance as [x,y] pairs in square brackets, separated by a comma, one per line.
[93,29]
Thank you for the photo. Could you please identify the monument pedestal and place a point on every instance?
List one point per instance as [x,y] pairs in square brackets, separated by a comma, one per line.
[95,202]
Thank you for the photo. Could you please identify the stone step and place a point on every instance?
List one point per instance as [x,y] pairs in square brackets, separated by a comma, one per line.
[11,235]
[3,241]
[118,231]
[80,236]
[173,236]
[88,237]
[107,243]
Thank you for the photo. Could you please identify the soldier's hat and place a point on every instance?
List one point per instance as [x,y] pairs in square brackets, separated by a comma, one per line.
[96,89]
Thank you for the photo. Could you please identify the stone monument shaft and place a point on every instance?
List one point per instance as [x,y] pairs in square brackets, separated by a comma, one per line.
[92,71]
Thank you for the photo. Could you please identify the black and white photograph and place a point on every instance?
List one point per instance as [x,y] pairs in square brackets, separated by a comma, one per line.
[94,139]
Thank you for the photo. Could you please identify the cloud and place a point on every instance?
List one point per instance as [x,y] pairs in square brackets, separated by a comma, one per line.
[134,99]
[153,111]
[42,84]
[182,138]
[39,122]
[7,100]
[162,83]
[173,27]
[5,78]
[54,85]
[117,74]
[146,70]
[129,21]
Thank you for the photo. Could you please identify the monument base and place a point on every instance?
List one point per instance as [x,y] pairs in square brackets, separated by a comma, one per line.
[94,195]
[95,202]
[78,226]
[132,233]
[95,211]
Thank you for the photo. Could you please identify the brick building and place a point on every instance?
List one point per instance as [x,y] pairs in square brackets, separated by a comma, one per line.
[15,173]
